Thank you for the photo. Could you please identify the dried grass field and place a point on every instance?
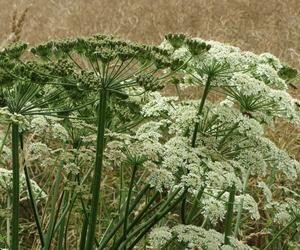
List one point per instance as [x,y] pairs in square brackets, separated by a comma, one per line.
[259,26]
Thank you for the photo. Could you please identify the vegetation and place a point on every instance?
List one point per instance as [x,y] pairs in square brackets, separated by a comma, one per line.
[100,159]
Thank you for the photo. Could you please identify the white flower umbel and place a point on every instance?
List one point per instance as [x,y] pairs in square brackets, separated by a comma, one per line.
[6,185]
[160,236]
[193,237]
[161,179]
[249,204]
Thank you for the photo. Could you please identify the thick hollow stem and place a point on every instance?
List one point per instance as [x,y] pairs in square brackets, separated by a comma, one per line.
[97,172]
[16,187]
[8,224]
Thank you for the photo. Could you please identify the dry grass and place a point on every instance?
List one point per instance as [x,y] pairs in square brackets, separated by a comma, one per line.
[270,25]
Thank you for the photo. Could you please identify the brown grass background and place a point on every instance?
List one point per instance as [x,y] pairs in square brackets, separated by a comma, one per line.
[255,25]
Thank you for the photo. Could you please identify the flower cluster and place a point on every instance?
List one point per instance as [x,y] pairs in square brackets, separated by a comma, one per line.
[6,186]
[193,237]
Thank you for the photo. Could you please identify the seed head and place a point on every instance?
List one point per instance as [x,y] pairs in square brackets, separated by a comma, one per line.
[196,47]
[14,51]
[149,82]
[287,73]
[176,40]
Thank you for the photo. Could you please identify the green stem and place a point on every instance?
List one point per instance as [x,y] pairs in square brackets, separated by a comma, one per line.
[226,136]
[16,187]
[121,198]
[63,222]
[194,138]
[128,202]
[195,205]
[34,207]
[110,233]
[154,220]
[201,106]
[229,216]
[83,233]
[96,184]
[295,219]
[183,210]
[54,209]
[167,244]
[240,208]
[143,213]
[32,199]
[8,224]
[140,231]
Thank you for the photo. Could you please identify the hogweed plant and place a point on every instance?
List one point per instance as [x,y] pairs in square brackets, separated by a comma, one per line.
[108,162]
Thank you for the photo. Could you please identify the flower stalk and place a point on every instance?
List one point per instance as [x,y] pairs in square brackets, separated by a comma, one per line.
[96,184]
[201,106]
[16,188]
[229,216]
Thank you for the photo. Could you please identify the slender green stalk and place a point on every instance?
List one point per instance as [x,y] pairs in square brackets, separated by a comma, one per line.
[195,205]
[53,212]
[111,232]
[201,106]
[240,207]
[294,220]
[194,138]
[63,222]
[165,208]
[154,220]
[97,172]
[183,210]
[121,190]
[143,212]
[226,136]
[229,215]
[16,188]
[128,202]
[32,199]
[86,218]
[83,233]
[34,207]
